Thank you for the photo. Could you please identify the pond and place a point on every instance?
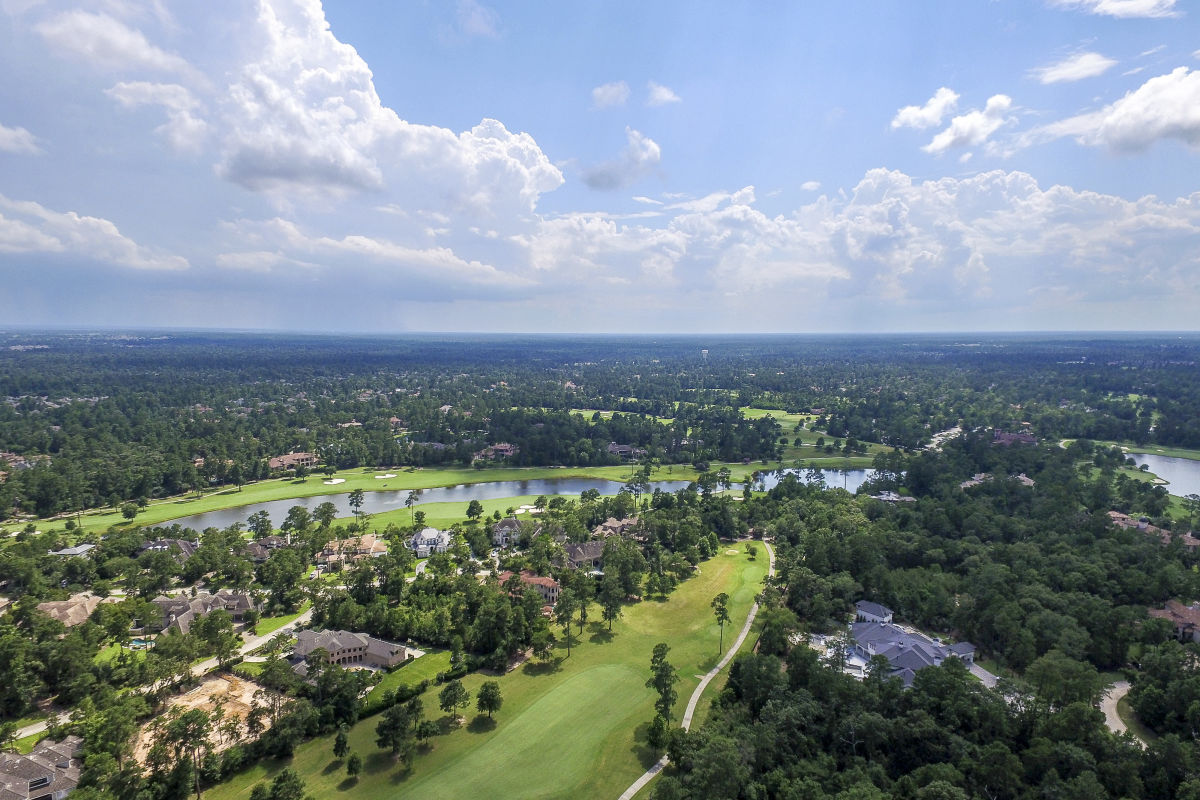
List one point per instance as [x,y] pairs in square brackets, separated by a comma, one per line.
[393,500]
[1182,474]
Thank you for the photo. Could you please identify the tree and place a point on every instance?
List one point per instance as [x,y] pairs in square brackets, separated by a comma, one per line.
[720,607]
[410,501]
[287,785]
[354,765]
[452,697]
[325,514]
[341,745]
[563,610]
[489,698]
[474,510]
[397,728]
[260,524]
[611,598]
[188,733]
[356,499]
[129,510]
[663,678]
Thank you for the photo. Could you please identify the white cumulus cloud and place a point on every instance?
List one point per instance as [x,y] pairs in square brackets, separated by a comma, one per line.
[28,227]
[1164,107]
[306,117]
[659,95]
[609,95]
[18,140]
[107,43]
[1074,68]
[1122,8]
[810,186]
[641,154]
[972,128]
[185,127]
[943,102]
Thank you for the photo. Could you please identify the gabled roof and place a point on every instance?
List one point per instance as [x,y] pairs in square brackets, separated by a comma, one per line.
[874,609]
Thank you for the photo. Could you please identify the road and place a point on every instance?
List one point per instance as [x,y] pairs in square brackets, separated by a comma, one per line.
[657,767]
[207,665]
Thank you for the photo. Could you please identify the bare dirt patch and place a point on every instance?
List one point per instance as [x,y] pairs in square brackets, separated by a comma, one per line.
[231,695]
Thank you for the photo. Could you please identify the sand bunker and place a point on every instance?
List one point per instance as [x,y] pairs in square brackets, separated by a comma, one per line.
[382,477]
[334,481]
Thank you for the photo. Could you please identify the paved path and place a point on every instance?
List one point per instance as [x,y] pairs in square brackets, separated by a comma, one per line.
[988,679]
[657,767]
[1108,704]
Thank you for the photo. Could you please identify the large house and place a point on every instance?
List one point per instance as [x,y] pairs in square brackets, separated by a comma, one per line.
[907,653]
[625,451]
[49,772]
[1008,439]
[506,531]
[548,588]
[293,460]
[181,611]
[1186,619]
[355,548]
[345,649]
[429,541]
[589,555]
[866,611]
[74,610]
[1143,524]
[180,549]
[615,527]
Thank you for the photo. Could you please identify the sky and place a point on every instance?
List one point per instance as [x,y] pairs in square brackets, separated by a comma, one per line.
[462,165]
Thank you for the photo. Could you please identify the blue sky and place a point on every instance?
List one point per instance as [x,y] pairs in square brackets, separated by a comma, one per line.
[392,166]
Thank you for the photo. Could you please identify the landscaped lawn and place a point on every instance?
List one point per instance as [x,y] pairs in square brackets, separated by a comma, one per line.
[271,624]
[565,730]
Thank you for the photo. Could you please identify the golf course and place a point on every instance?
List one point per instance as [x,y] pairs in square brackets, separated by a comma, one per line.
[572,727]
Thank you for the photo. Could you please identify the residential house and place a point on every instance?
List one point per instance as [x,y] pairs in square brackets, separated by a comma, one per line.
[866,611]
[77,550]
[548,588]
[181,549]
[1008,439]
[49,772]
[626,452]
[181,611]
[588,555]
[293,460]
[906,652]
[1186,619]
[615,527]
[353,549]
[893,497]
[1143,524]
[506,531]
[428,541]
[349,649]
[76,609]
[498,451]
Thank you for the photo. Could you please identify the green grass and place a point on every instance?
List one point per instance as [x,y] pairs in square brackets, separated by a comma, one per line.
[1126,713]
[26,744]
[424,668]
[110,652]
[268,625]
[565,730]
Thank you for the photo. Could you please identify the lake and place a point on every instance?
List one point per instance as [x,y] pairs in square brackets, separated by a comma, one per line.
[1182,474]
[392,500]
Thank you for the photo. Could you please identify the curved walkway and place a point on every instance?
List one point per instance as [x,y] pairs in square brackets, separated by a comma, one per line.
[657,767]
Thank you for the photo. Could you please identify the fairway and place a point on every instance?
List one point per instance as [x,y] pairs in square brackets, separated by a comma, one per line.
[566,729]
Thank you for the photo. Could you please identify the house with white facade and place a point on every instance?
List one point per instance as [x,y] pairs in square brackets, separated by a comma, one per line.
[428,541]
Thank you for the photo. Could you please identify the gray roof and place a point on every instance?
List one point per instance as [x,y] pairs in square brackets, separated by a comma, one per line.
[588,551]
[904,650]
[874,609]
[77,550]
